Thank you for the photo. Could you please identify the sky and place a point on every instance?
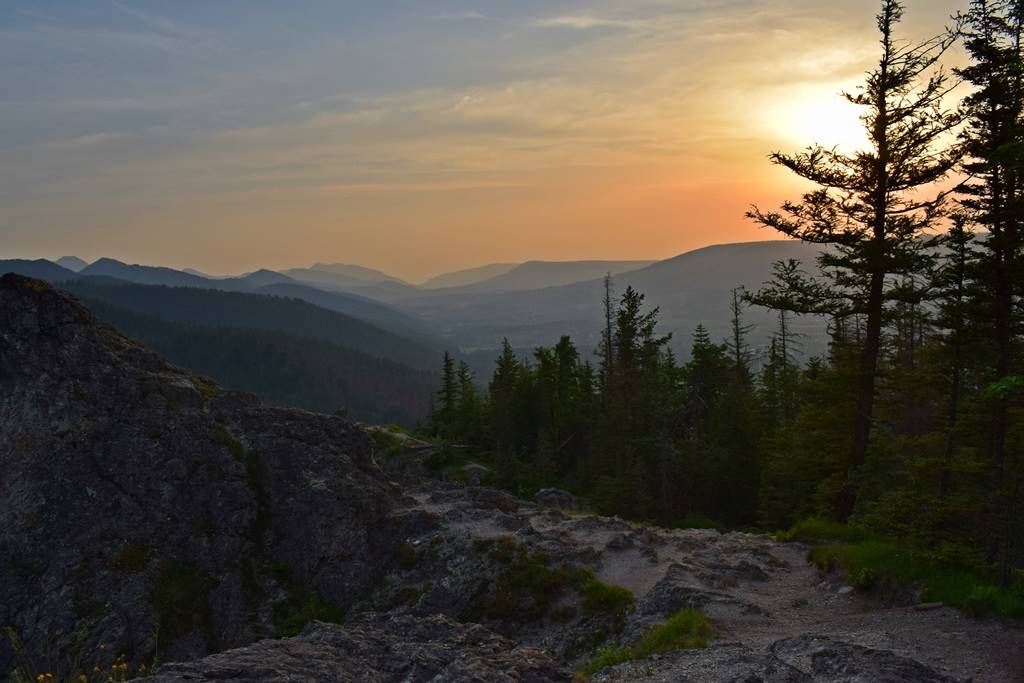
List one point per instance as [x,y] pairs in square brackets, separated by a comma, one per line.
[416,137]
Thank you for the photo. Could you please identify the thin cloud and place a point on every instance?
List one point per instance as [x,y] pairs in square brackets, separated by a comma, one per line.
[582,22]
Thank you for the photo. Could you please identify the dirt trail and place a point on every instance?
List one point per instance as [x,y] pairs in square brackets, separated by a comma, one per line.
[755,590]
[797,600]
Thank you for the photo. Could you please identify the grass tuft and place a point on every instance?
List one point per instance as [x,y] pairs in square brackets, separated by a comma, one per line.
[529,587]
[815,529]
[872,563]
[685,630]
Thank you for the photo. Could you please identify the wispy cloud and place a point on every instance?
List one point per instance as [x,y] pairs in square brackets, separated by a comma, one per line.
[582,22]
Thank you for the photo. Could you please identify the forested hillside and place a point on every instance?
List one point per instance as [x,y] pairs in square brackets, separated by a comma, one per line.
[282,368]
[214,308]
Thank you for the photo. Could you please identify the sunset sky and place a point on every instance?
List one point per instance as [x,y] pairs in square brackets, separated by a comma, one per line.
[415,137]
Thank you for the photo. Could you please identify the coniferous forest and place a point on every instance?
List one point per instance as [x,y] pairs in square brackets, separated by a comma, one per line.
[910,427]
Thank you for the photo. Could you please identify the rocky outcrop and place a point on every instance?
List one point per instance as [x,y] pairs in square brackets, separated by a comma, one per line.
[140,502]
[379,649]
[137,498]
[806,659]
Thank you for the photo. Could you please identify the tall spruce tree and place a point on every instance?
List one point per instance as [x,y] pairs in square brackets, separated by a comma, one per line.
[869,209]
[994,198]
[738,331]
[502,399]
[443,419]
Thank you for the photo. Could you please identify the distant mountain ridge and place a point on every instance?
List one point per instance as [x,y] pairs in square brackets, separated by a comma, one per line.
[467,276]
[259,282]
[541,274]
[691,288]
[532,303]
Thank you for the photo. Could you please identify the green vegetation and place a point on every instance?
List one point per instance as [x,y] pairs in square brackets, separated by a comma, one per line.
[179,593]
[873,563]
[207,390]
[131,557]
[385,441]
[529,587]
[407,556]
[686,629]
[602,597]
[301,606]
[818,529]
[77,667]
[909,427]
[222,437]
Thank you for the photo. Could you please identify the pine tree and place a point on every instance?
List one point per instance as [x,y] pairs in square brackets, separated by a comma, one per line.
[953,285]
[606,351]
[994,142]
[868,210]
[443,419]
[737,342]
[468,411]
[502,399]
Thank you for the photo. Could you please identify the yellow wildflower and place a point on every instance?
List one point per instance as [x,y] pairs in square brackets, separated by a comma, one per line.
[41,678]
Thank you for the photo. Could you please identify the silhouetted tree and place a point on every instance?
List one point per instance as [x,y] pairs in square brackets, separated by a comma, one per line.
[868,208]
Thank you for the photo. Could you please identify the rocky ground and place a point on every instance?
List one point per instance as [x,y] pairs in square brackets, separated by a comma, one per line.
[778,619]
[146,511]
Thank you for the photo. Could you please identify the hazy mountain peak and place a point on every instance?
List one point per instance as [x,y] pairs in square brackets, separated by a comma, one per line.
[265,276]
[71,263]
[353,271]
[541,274]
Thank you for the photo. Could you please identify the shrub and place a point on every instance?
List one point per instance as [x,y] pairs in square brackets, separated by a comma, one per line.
[528,586]
[871,562]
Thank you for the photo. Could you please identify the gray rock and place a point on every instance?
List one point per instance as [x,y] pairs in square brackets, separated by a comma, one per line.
[556,499]
[831,661]
[136,495]
[378,649]
[716,664]
[806,659]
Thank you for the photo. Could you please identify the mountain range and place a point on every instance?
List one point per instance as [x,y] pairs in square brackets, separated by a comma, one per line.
[372,315]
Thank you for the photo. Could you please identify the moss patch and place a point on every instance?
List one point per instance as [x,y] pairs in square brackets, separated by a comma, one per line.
[222,437]
[132,556]
[301,606]
[179,592]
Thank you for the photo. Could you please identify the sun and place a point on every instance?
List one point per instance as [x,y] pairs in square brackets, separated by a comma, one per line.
[818,115]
